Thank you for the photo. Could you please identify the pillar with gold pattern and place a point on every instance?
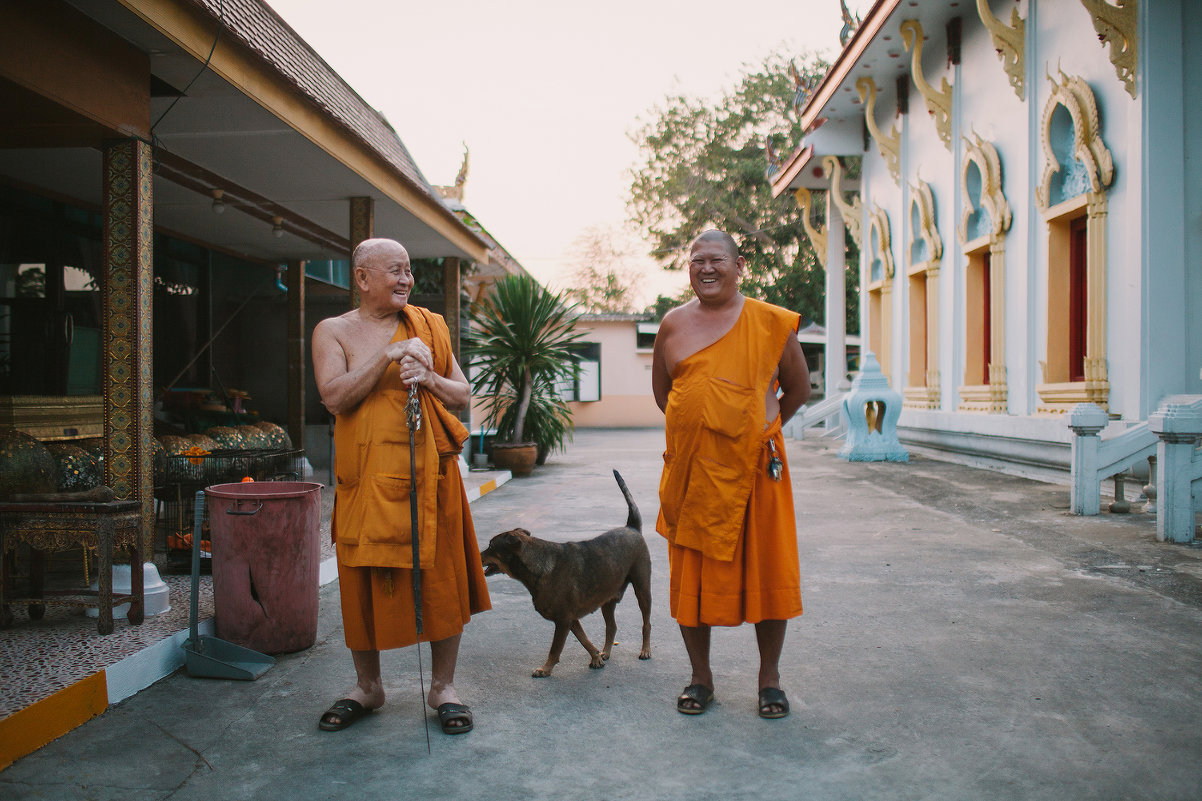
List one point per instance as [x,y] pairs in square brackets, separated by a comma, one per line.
[363,224]
[128,282]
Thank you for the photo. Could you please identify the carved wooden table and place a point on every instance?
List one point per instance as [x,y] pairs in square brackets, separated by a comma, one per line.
[59,526]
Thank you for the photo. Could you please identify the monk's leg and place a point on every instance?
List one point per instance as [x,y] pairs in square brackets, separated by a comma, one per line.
[369,687]
[443,656]
[697,644]
[368,693]
[770,636]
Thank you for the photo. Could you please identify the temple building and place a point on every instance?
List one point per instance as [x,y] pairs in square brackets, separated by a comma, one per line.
[1024,181]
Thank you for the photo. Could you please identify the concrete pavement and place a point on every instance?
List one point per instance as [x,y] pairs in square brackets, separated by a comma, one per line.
[964,638]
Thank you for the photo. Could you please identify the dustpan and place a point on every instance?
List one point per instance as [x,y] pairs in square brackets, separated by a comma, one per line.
[210,657]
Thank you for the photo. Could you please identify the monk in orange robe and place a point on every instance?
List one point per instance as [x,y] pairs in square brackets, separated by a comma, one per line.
[726,504]
[364,362]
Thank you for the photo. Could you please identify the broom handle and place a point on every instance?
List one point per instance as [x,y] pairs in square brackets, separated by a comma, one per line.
[198,513]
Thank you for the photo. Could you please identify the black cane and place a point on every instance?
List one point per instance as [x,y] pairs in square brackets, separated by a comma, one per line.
[413,413]
[413,417]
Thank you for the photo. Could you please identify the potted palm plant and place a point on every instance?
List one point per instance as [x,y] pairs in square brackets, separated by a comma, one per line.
[520,347]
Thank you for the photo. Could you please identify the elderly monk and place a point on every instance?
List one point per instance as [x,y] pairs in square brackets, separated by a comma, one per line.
[365,361]
[726,505]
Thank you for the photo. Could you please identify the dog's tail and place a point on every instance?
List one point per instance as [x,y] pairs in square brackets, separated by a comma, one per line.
[633,519]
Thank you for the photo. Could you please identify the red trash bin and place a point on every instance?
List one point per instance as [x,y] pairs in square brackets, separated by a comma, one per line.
[266,560]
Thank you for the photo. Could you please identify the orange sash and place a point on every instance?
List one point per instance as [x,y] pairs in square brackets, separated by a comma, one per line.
[714,427]
[371,446]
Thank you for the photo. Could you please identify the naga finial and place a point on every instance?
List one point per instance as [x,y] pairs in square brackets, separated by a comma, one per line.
[850,24]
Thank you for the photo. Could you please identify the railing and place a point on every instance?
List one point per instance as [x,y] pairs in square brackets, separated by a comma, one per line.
[822,412]
[1178,425]
[1169,440]
[1094,460]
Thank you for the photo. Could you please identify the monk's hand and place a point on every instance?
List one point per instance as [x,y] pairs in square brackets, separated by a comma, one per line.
[413,372]
[413,348]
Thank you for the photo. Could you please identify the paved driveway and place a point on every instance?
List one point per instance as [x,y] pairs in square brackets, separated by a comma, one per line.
[964,638]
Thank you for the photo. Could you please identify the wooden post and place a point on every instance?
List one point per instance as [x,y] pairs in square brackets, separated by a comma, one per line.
[450,299]
[363,225]
[296,353]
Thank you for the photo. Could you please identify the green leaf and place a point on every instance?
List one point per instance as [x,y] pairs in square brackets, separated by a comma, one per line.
[519,346]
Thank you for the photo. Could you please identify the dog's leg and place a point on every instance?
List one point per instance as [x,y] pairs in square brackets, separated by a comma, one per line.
[642,591]
[557,642]
[595,658]
[611,627]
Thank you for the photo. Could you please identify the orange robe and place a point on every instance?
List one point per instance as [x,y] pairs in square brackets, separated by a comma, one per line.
[732,538]
[371,525]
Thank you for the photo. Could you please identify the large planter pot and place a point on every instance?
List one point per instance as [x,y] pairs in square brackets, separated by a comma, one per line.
[516,458]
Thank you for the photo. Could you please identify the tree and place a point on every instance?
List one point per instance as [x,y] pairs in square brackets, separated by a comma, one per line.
[602,281]
[520,346]
[703,165]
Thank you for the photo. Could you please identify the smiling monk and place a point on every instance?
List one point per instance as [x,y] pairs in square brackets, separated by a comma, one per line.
[726,504]
[364,362]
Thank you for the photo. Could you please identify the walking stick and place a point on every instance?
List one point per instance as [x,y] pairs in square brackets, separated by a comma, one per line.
[413,417]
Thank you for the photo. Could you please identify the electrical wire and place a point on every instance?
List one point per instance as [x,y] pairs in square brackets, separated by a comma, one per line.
[203,67]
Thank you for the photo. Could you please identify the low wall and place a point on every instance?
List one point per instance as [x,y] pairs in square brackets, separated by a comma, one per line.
[618,411]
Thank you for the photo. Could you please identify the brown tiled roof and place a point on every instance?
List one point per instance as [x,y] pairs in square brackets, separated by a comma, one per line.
[259,28]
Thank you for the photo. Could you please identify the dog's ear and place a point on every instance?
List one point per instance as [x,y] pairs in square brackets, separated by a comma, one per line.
[513,538]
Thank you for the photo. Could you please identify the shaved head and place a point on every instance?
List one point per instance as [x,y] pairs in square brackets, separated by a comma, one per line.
[367,250]
[721,237]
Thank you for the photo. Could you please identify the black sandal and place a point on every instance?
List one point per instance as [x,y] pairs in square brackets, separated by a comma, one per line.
[773,696]
[343,713]
[449,712]
[694,694]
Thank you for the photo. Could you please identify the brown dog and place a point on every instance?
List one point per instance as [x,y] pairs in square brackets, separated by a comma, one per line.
[570,580]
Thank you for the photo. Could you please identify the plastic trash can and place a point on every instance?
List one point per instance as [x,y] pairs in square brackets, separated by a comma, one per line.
[266,559]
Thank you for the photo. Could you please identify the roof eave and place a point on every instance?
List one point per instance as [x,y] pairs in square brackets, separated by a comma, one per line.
[783,180]
[846,62]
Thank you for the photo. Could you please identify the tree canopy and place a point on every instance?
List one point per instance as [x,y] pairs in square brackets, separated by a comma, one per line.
[601,279]
[703,165]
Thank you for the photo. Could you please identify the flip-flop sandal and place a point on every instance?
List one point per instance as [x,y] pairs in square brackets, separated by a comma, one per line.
[773,696]
[449,712]
[694,694]
[343,713]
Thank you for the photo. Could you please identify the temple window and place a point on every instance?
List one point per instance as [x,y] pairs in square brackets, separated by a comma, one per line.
[1072,196]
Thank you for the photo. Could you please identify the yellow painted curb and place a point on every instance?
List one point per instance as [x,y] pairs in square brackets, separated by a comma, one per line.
[27,730]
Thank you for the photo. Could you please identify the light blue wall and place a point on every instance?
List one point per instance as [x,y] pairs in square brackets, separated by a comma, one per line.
[1192,32]
[1165,300]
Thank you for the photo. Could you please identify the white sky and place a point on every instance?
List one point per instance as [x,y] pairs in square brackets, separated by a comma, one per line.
[546,93]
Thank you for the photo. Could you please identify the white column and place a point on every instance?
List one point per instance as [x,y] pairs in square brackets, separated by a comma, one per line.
[836,300]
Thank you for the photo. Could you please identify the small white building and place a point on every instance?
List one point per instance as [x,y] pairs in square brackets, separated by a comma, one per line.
[614,388]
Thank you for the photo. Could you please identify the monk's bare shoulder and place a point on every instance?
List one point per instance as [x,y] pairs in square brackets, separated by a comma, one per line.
[678,318]
[337,327]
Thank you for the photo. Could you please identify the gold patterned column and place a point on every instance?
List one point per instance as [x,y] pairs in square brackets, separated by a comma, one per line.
[128,282]
[450,297]
[296,353]
[363,225]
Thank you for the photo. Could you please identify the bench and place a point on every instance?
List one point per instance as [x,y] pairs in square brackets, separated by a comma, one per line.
[62,525]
